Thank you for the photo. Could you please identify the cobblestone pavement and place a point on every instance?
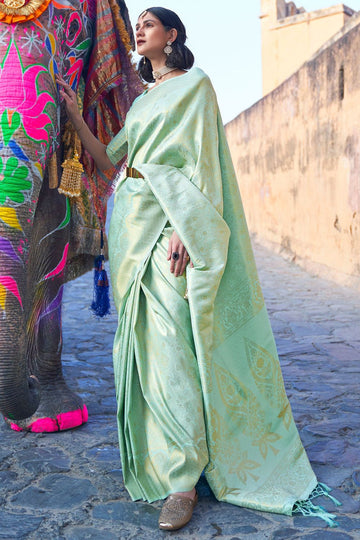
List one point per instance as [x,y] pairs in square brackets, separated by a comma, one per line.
[69,485]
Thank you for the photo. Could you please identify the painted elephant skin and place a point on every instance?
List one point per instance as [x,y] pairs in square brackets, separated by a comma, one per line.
[35,219]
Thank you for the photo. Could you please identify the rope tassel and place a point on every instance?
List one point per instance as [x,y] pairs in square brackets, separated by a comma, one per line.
[70,184]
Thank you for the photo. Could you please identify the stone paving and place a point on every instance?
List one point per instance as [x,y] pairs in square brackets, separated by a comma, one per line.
[69,485]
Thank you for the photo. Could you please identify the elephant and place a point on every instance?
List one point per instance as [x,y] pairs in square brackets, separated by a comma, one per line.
[44,238]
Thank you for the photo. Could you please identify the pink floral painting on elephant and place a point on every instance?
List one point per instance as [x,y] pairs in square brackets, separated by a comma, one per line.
[38,39]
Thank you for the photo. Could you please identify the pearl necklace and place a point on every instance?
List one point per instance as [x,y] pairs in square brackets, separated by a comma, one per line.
[159,74]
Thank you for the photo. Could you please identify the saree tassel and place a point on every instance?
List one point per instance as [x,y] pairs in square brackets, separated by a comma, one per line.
[101,302]
[307,508]
[322,490]
[70,184]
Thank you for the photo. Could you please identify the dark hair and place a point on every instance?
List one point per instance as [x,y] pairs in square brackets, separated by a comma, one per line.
[181,57]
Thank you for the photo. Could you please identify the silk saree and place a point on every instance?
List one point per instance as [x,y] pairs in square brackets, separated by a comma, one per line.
[198,380]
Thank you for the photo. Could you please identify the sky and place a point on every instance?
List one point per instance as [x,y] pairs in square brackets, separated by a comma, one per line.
[225,39]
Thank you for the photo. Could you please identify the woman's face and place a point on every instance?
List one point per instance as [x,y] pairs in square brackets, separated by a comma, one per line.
[151,36]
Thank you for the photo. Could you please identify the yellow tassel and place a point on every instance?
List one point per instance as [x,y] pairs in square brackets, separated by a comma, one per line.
[70,184]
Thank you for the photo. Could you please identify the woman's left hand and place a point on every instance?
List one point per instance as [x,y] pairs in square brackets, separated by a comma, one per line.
[71,102]
[178,255]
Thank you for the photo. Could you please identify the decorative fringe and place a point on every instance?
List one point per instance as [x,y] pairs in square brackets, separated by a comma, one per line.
[307,508]
[70,184]
[101,303]
[322,490]
[120,25]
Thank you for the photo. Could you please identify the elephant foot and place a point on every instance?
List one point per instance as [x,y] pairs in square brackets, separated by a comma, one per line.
[60,409]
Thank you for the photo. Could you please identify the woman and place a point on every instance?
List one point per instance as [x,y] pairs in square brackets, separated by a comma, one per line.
[197,376]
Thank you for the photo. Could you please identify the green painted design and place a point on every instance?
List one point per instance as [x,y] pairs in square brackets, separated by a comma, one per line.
[84,45]
[64,222]
[67,216]
[9,124]
[13,181]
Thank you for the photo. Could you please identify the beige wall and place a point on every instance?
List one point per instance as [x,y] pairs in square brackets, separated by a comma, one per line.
[288,41]
[297,155]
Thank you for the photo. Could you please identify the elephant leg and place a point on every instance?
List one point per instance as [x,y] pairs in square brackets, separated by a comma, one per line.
[19,391]
[60,408]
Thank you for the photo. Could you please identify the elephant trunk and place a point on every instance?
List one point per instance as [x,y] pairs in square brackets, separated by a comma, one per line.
[19,401]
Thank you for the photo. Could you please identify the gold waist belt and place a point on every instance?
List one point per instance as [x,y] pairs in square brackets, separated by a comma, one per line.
[133,173]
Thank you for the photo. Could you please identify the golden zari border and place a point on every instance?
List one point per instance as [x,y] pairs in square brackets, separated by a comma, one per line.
[32,10]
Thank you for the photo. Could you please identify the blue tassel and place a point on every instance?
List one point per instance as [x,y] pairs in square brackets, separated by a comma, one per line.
[307,508]
[324,490]
[101,302]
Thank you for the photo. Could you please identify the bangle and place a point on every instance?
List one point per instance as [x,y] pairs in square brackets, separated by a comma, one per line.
[80,128]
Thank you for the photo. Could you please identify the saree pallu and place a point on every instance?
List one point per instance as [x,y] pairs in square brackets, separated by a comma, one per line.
[198,383]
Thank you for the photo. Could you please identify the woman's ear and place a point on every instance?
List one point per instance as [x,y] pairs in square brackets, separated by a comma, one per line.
[173,34]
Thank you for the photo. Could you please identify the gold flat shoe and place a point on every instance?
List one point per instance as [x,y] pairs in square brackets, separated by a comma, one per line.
[176,512]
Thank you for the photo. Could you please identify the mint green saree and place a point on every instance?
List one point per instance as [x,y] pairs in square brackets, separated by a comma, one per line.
[198,381]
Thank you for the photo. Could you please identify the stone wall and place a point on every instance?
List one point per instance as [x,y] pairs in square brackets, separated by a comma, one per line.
[297,155]
[290,36]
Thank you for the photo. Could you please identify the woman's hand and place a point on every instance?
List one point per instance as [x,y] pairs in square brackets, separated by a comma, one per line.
[71,103]
[178,255]
[95,148]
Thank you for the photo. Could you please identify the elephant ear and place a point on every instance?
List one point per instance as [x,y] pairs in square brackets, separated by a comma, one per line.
[111,86]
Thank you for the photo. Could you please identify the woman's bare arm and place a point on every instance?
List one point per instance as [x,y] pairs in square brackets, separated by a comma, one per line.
[96,149]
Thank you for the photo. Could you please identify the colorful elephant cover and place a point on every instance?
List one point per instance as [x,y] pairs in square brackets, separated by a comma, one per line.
[38,39]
